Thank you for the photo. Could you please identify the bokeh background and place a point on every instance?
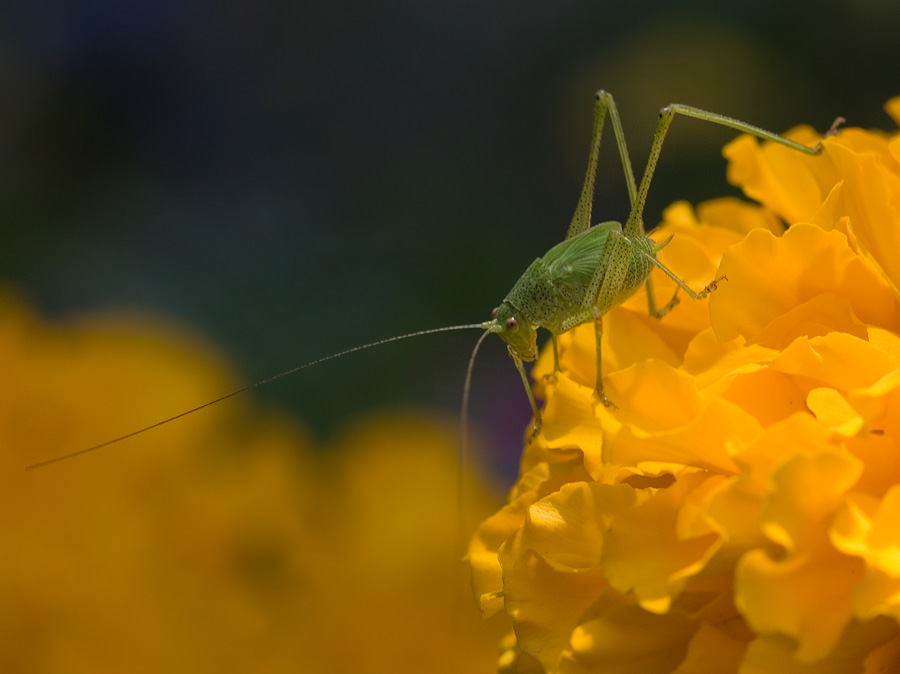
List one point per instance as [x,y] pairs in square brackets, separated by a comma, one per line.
[290,179]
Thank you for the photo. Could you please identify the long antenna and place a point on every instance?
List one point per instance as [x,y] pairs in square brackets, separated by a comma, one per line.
[462,466]
[258,384]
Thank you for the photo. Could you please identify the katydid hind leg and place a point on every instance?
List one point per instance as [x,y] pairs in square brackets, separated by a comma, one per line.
[603,105]
[634,226]
[711,286]
[659,312]
[605,287]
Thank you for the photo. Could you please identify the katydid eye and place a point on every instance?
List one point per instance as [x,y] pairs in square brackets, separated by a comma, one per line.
[494,312]
[512,324]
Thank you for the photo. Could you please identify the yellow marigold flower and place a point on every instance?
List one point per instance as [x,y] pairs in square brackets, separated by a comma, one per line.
[740,511]
[224,542]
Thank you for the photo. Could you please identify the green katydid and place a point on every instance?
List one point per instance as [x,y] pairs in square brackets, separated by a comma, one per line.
[597,268]
[593,270]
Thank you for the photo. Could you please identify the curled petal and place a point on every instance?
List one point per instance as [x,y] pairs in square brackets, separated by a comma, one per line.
[617,637]
[551,565]
[868,647]
[567,527]
[769,277]
[546,605]
[833,411]
[871,199]
[806,598]
[837,360]
[807,593]
[648,553]
[791,184]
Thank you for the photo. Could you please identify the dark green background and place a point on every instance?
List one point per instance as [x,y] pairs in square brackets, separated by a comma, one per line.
[296,178]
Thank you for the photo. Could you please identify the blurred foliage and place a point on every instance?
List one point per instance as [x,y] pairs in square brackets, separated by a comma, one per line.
[225,542]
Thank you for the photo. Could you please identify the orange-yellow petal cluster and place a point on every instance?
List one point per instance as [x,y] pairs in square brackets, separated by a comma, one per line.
[740,511]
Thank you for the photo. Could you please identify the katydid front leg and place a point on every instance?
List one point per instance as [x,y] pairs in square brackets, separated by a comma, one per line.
[538,421]
[599,394]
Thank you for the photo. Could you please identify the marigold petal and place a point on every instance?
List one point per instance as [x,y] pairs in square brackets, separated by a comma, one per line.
[871,197]
[713,650]
[705,441]
[806,490]
[654,381]
[693,254]
[769,277]
[697,246]
[852,523]
[776,654]
[618,637]
[739,216]
[831,215]
[513,661]
[887,342]
[546,605]
[892,108]
[644,552]
[567,527]
[886,657]
[487,582]
[817,316]
[628,337]
[544,469]
[709,360]
[877,594]
[834,412]
[798,433]
[735,511]
[868,529]
[883,537]
[766,395]
[569,421]
[807,593]
[864,142]
[543,472]
[836,360]
[777,176]
[875,403]
[806,597]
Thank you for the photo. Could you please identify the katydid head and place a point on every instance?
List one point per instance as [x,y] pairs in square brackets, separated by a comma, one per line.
[514,330]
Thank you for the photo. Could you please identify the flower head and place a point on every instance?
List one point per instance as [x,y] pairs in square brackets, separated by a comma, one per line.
[739,512]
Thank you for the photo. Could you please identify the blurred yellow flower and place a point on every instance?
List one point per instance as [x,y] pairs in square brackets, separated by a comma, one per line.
[740,511]
[223,542]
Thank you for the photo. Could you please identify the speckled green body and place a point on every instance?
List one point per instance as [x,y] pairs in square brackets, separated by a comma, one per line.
[577,280]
